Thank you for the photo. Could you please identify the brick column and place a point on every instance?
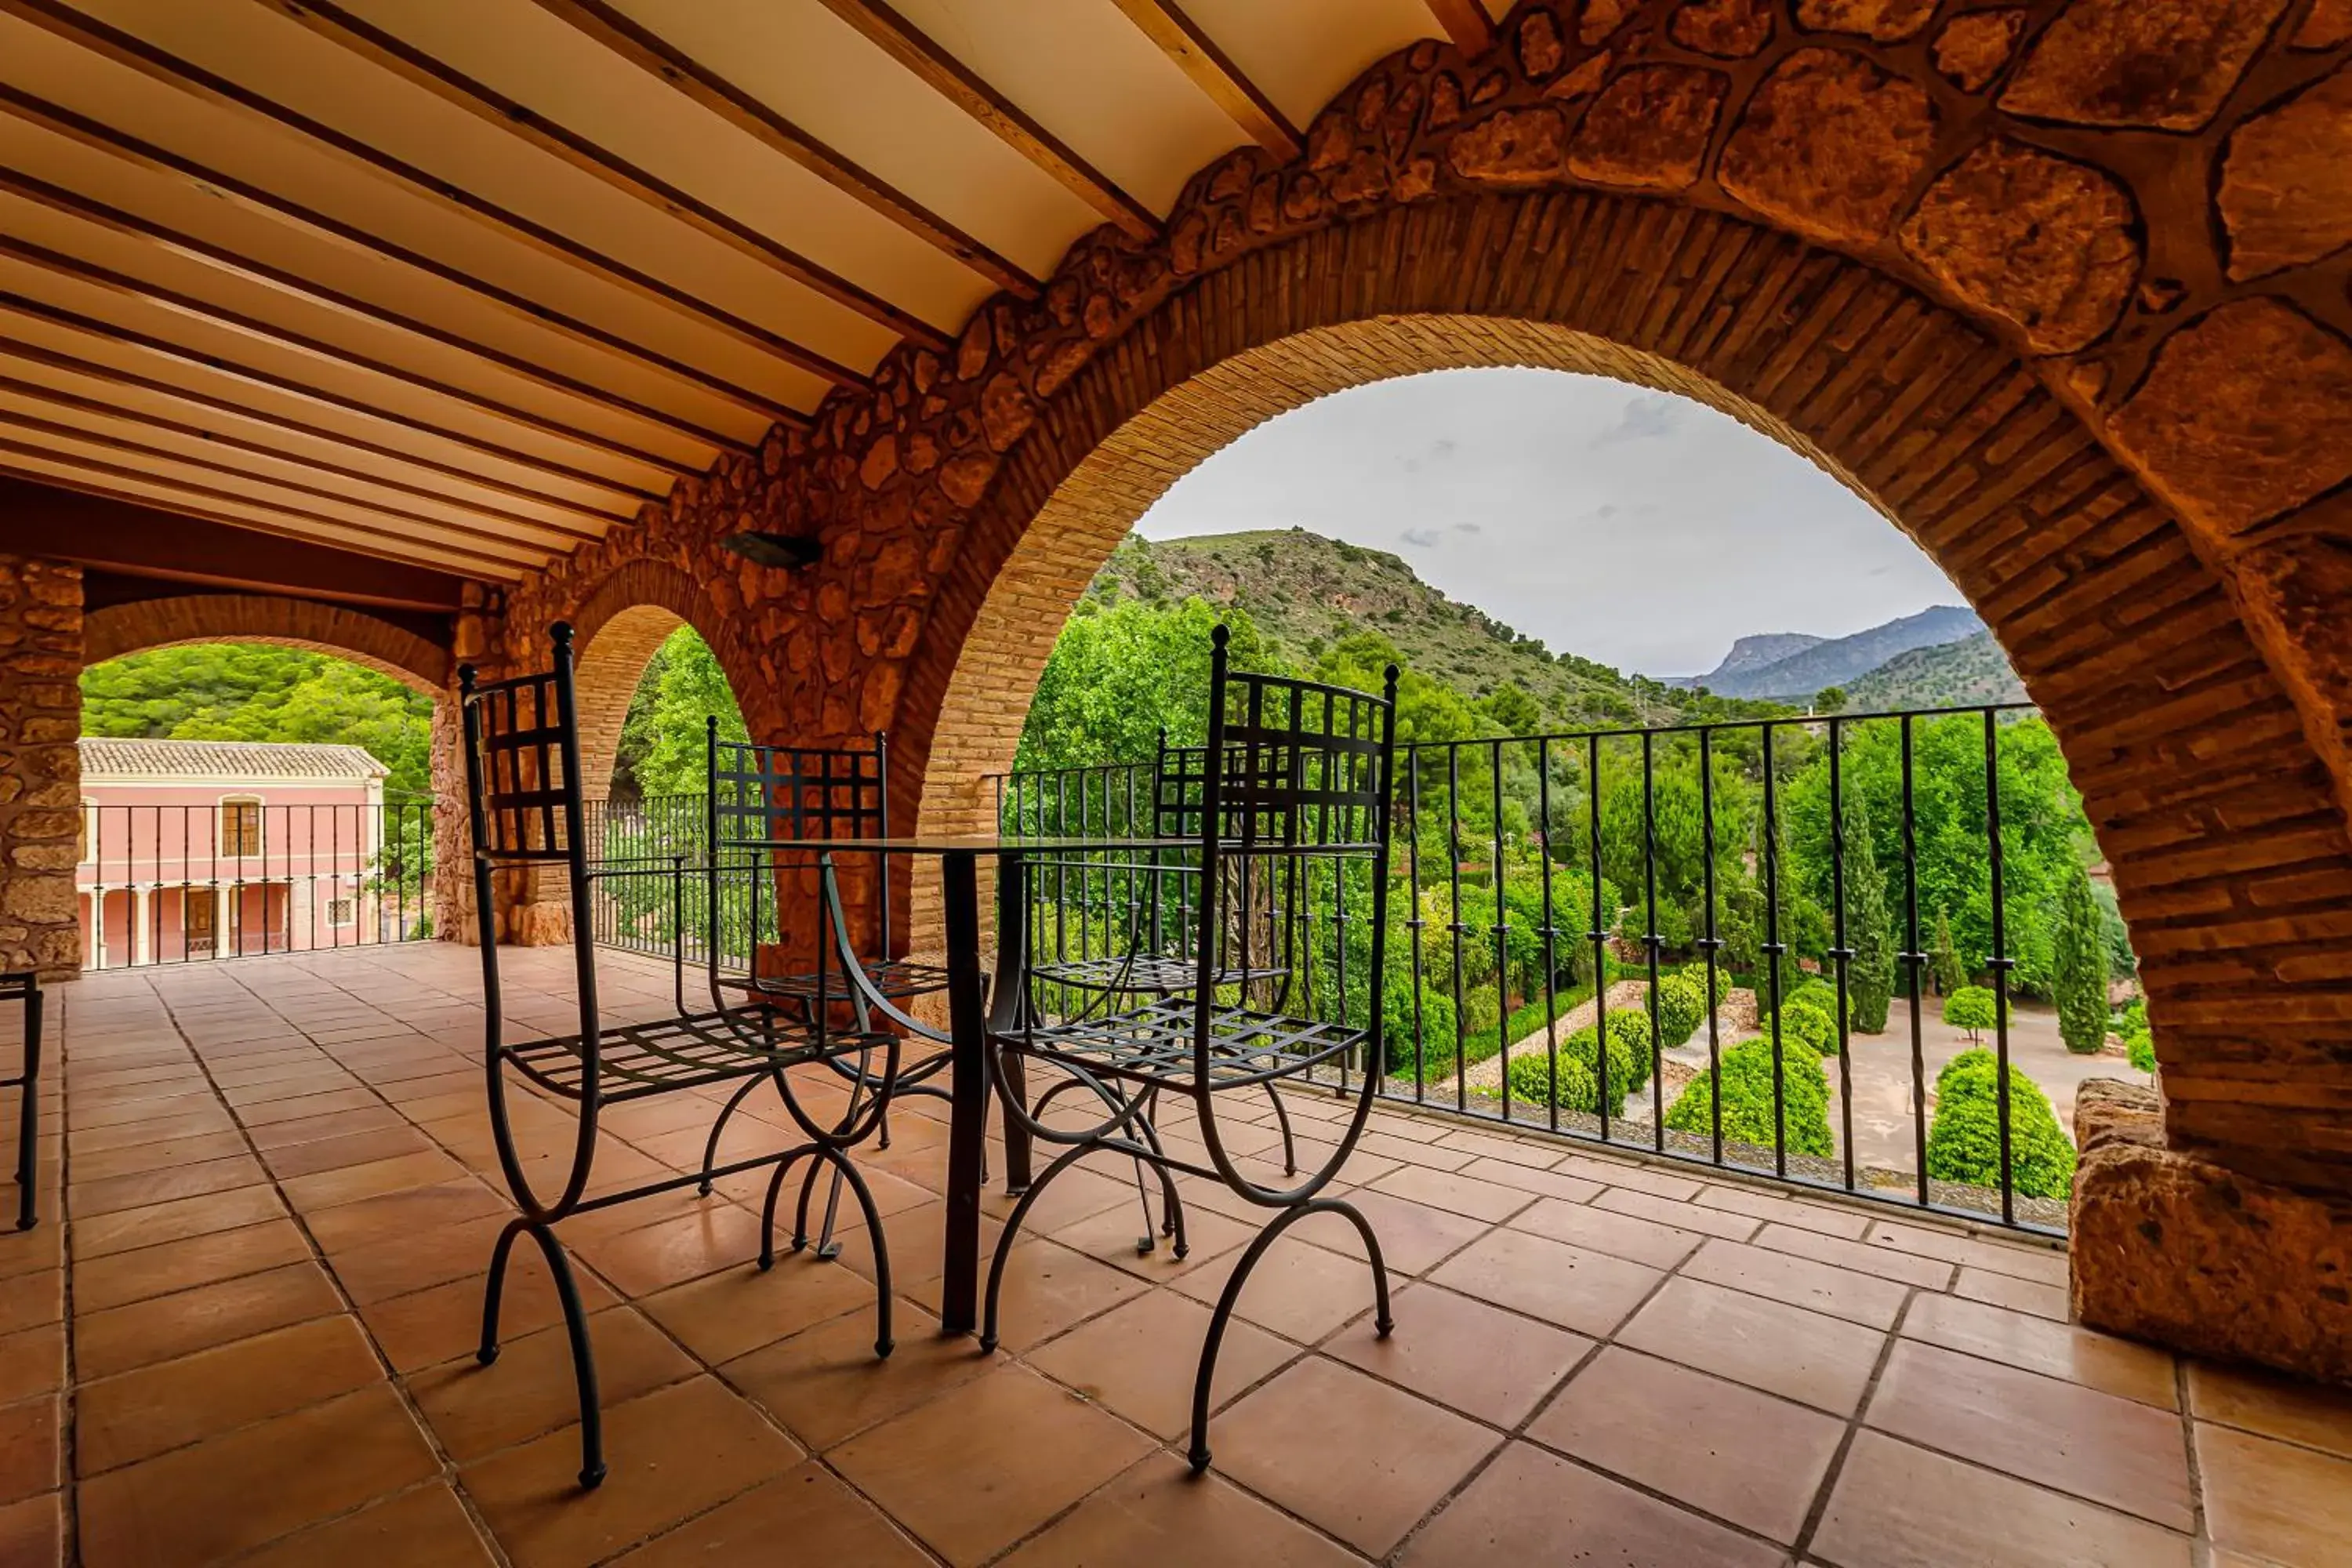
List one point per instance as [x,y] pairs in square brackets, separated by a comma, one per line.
[40,768]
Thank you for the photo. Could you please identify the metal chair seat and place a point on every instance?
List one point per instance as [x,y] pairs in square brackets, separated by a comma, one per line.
[669,1053]
[1152,1044]
[1160,972]
[894,980]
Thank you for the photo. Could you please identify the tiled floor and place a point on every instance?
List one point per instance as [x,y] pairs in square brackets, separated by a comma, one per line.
[281,1194]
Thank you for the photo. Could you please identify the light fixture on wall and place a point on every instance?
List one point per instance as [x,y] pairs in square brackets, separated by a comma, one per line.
[785,552]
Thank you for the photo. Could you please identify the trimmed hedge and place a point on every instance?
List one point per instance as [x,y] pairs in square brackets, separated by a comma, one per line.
[1964,1141]
[1579,1071]
[1682,1007]
[1532,1083]
[1747,1073]
[1802,1024]
[1814,992]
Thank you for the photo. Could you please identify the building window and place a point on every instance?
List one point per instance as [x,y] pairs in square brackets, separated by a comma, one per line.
[240,826]
[340,912]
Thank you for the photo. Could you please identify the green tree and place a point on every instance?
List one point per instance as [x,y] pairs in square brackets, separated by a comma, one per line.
[1964,1141]
[689,687]
[1509,706]
[1870,974]
[1120,676]
[1972,1010]
[1830,699]
[2079,969]
[1944,959]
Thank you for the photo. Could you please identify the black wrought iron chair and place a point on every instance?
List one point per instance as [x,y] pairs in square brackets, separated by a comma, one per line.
[525,812]
[1295,816]
[757,795]
[24,986]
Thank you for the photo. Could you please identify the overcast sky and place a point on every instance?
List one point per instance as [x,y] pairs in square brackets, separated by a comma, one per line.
[1632,527]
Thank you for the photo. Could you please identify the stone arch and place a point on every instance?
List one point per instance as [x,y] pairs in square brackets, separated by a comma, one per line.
[306,624]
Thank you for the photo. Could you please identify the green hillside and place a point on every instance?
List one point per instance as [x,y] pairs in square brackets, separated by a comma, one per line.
[1970,670]
[1305,591]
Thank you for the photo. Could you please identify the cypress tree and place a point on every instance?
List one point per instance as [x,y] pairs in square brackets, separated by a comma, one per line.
[2079,968]
[1870,974]
[1944,959]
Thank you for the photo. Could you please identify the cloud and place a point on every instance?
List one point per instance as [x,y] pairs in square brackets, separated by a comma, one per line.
[1642,418]
[1469,528]
[1421,538]
[1437,452]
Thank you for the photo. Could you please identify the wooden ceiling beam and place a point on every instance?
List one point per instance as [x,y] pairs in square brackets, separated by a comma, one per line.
[54,398]
[17,421]
[964,87]
[212,365]
[1466,22]
[159,66]
[414,65]
[1183,41]
[112,375]
[658,58]
[109,479]
[135,540]
[220,259]
[84,132]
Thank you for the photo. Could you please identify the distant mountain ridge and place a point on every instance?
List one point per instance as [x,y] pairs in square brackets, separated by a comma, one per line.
[1841,661]
[1945,675]
[1756,652]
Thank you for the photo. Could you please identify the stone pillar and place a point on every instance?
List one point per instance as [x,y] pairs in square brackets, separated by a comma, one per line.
[40,767]
[531,907]
[143,915]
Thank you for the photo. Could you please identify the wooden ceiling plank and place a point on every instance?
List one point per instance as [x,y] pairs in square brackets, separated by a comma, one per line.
[159,66]
[212,365]
[1466,23]
[17,421]
[959,85]
[401,546]
[113,376]
[84,132]
[56,398]
[220,259]
[390,53]
[641,47]
[1196,54]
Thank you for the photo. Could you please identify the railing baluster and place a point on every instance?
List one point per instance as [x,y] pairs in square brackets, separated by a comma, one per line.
[1915,960]
[1651,941]
[1599,935]
[1841,948]
[2000,962]
[1773,949]
[1711,944]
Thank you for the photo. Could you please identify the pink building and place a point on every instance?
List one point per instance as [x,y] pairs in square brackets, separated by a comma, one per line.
[200,849]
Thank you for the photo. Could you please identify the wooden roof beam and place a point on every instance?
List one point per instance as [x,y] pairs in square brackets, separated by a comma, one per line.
[1196,54]
[159,65]
[959,85]
[213,183]
[486,103]
[658,58]
[1466,22]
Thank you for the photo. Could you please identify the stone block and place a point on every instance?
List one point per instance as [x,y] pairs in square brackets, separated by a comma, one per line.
[2184,1253]
[2286,180]
[2166,63]
[1828,145]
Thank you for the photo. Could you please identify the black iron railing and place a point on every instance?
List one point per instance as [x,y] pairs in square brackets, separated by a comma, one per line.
[653,892]
[1734,943]
[246,878]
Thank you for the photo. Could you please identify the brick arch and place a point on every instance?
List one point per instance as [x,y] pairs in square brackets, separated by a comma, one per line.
[355,634]
[617,629]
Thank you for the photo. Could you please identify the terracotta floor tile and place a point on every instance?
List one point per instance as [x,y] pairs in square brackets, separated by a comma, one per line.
[2278,1501]
[351,1149]
[1528,1505]
[1678,1214]
[1606,1230]
[1903,1267]
[1346,1453]
[823,1520]
[349,1183]
[1110,1236]
[1800,1282]
[736,1310]
[31,1360]
[1630,1175]
[825,1382]
[29,1300]
[1534,1179]
[1138,1360]
[137,1414]
[32,1533]
[2055,1350]
[157,1330]
[1047,1288]
[1744,1457]
[476,1410]
[406,1212]
[106,1115]
[174,1221]
[2270,1404]
[424,1527]
[1413,1237]
[1085,1189]
[112,1194]
[1160,1515]
[42,1247]
[1851,1224]
[1413,1151]
[671,1252]
[1298,1290]
[1895,1506]
[83,1142]
[443,1321]
[2017,1258]
[1479,1360]
[126,1277]
[29,1450]
[977,1468]
[1590,1292]
[2020,1295]
[311,1129]
[1819,1360]
[381,1269]
[1459,1194]
[163,1154]
[671,1455]
[200,1505]
[2114,1451]
[309,1107]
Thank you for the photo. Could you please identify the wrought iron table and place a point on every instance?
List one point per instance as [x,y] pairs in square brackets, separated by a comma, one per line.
[969,1018]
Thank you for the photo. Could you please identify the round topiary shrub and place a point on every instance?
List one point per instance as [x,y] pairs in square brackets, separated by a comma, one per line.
[1964,1141]
[1747,1118]
[1814,992]
[1803,1024]
[1532,1080]
[1972,1010]
[1682,1006]
[1629,1053]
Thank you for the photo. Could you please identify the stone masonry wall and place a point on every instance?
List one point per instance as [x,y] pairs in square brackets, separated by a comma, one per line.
[40,768]
[2063,285]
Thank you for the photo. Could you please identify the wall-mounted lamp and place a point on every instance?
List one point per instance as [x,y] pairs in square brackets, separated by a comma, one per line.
[784,551]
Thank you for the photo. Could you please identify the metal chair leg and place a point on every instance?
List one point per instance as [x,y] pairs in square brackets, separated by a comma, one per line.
[28,1118]
[1068,1158]
[575,1326]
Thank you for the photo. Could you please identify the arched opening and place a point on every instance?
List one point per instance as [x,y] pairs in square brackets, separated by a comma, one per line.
[245,798]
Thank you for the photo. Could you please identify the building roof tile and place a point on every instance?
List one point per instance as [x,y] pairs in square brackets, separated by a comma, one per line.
[105,759]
